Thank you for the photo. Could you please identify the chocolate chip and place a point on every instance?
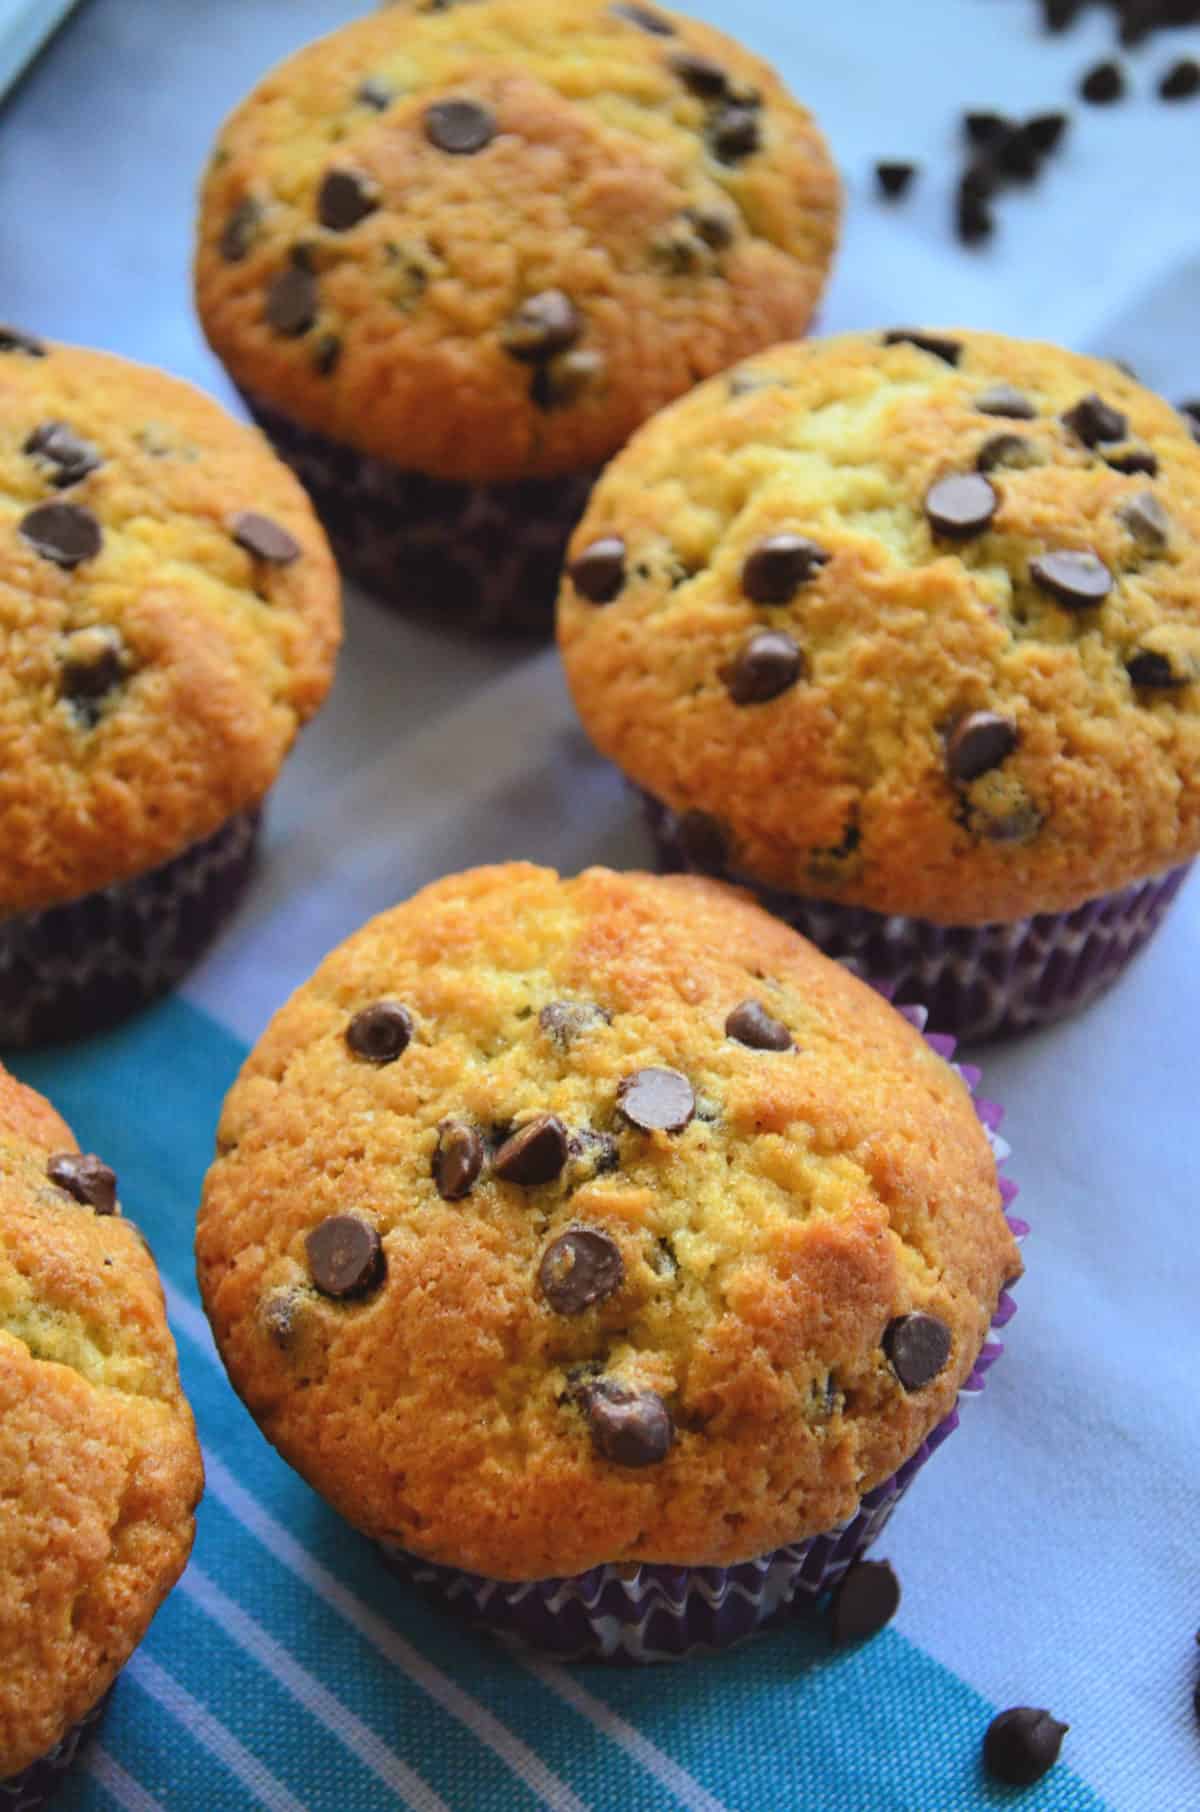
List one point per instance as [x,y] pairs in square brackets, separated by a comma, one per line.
[93,664]
[631,1428]
[1138,461]
[977,743]
[534,1154]
[85,1177]
[62,449]
[656,1100]
[960,505]
[942,347]
[769,664]
[563,380]
[1022,1744]
[985,128]
[65,533]
[292,301]
[1012,450]
[865,1602]
[1076,580]
[326,353]
[750,1024]
[1152,670]
[1146,520]
[345,1256]
[581,1267]
[381,1032]
[775,568]
[703,841]
[894,178]
[598,573]
[1002,399]
[344,198]
[1015,158]
[543,325]
[1058,14]
[735,133]
[642,16]
[13,340]
[917,1348]
[566,1020]
[1094,421]
[699,74]
[458,1160]
[279,1314]
[1103,84]
[240,230]
[593,1153]
[459,127]
[375,92]
[265,539]
[973,221]
[715,227]
[1044,131]
[1180,81]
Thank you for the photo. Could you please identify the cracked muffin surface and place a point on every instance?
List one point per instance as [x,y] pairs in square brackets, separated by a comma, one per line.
[906,620]
[169,610]
[485,241]
[559,1222]
[99,1466]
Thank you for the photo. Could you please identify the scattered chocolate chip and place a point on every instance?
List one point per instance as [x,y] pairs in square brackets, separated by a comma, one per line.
[1180,81]
[344,198]
[1022,1744]
[534,1154]
[566,1020]
[70,458]
[1045,130]
[291,305]
[656,1100]
[1058,14]
[750,1024]
[942,347]
[1146,520]
[240,230]
[581,1267]
[631,1428]
[977,743]
[894,178]
[265,539]
[642,16]
[93,664]
[563,380]
[735,133]
[1012,450]
[326,353]
[375,92]
[985,128]
[65,533]
[13,340]
[1076,580]
[381,1032]
[543,325]
[699,74]
[598,573]
[85,1177]
[973,220]
[345,1256]
[459,127]
[775,568]
[1139,460]
[1153,671]
[960,505]
[768,665]
[703,841]
[865,1602]
[917,1348]
[458,1160]
[1015,158]
[1094,421]
[1103,84]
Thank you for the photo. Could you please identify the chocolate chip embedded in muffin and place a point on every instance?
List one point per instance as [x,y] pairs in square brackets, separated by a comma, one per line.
[750,1024]
[1022,1744]
[1004,399]
[917,1347]
[1093,421]
[734,134]
[460,127]
[715,226]
[376,93]
[562,380]
[631,1428]
[534,1154]
[12,339]
[85,1177]
[978,742]
[1014,451]
[69,457]
[265,539]
[1147,521]
[643,17]
[776,567]
[1138,461]
[64,533]
[457,1160]
[598,573]
[566,1020]
[344,198]
[656,1099]
[865,1602]
[292,301]
[381,1032]
[345,1257]
[768,665]
[580,1268]
[93,665]
[699,74]
[1150,669]
[940,345]
[961,505]
[1077,580]
[241,230]
[543,325]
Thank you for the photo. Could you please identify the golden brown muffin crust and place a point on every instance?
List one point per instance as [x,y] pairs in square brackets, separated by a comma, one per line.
[840,785]
[602,181]
[816,1195]
[151,690]
[99,1466]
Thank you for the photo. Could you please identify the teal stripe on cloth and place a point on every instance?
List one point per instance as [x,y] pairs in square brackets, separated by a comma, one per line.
[262,1681]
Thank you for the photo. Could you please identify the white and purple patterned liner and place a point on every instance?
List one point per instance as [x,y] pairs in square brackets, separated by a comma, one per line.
[36,1785]
[652,1612]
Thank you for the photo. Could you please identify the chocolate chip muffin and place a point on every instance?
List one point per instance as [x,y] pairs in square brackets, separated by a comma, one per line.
[170,612]
[902,630]
[453,255]
[99,1466]
[592,1232]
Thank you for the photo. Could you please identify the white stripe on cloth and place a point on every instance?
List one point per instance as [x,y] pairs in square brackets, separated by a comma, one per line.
[128,1793]
[198,1721]
[320,1704]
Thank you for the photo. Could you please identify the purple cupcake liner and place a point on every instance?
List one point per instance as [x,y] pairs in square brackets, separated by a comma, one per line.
[978,981]
[651,1612]
[36,1785]
[483,557]
[75,969]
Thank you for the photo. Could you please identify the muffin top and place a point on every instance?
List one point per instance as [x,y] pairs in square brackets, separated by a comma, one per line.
[99,1466]
[565,1222]
[914,617]
[169,612]
[486,240]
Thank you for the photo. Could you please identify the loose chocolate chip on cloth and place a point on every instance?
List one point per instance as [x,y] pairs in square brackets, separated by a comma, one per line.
[1022,1744]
